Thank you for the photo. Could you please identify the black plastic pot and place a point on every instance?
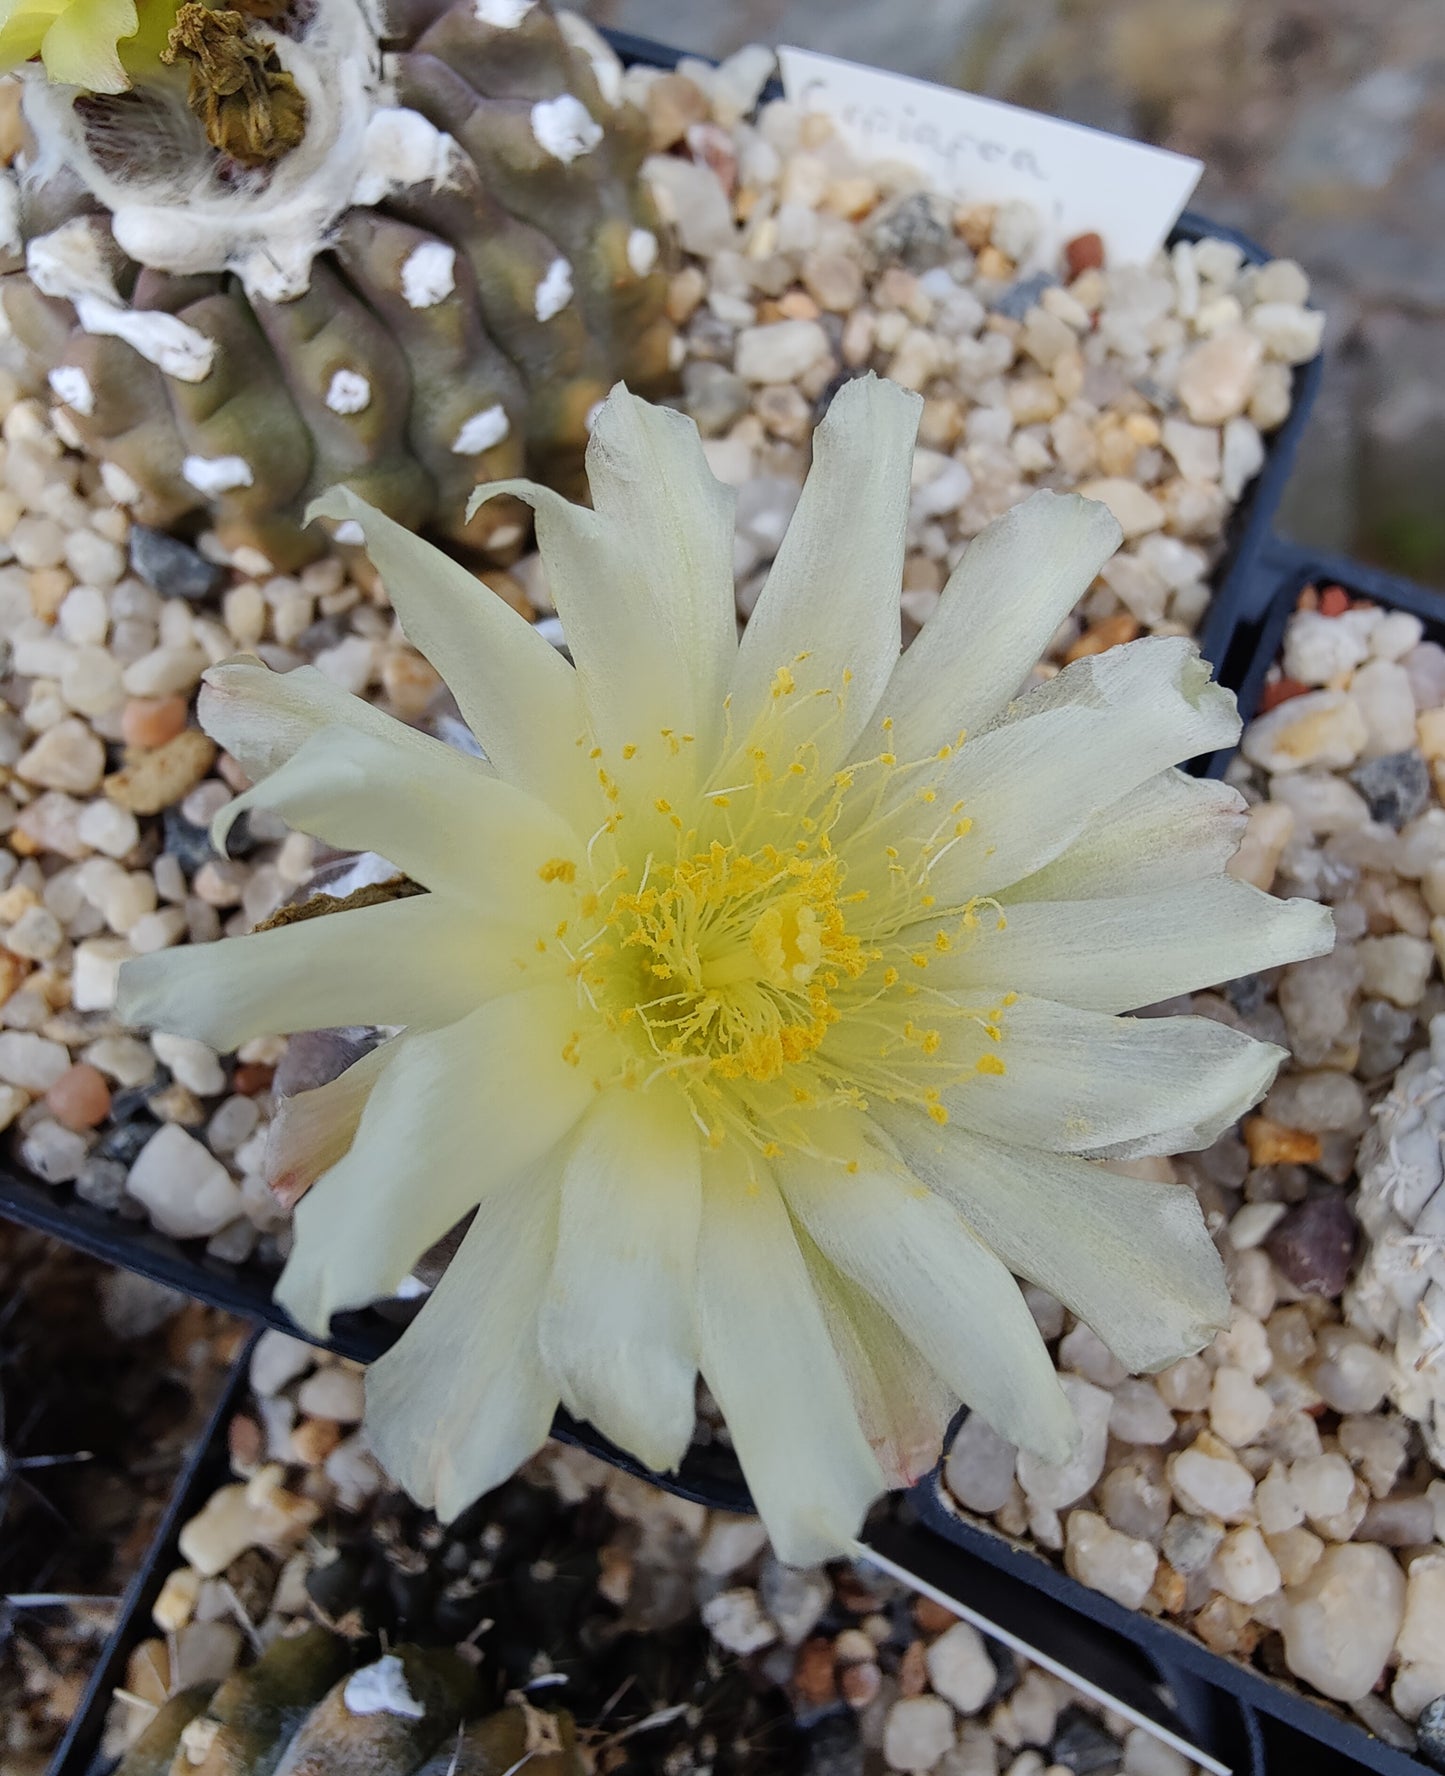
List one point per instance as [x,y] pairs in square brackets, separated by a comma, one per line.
[1109,1665]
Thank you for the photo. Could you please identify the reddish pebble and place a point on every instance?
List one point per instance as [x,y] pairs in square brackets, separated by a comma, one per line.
[149,722]
[813,1674]
[1280,690]
[246,1443]
[251,1077]
[80,1098]
[1085,252]
[1334,601]
[931,1617]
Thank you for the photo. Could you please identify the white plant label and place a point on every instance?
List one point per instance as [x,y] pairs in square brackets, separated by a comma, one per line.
[1080,181]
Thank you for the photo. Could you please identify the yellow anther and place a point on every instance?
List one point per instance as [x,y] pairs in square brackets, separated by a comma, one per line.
[784,683]
[990,1063]
[629,751]
[558,869]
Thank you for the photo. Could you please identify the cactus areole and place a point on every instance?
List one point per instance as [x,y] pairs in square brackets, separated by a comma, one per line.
[323,242]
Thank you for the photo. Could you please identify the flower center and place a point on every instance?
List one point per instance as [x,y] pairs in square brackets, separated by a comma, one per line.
[767,948]
[728,957]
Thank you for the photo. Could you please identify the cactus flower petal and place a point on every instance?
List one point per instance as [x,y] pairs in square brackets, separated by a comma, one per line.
[76,39]
[761,1012]
[1132,1258]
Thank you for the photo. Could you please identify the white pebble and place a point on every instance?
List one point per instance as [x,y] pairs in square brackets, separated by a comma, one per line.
[736,1621]
[193,1063]
[1340,1624]
[108,828]
[1244,1569]
[1320,728]
[31,1061]
[1209,1482]
[185,1189]
[333,1392]
[53,1153]
[917,1732]
[125,1059]
[84,615]
[782,351]
[1103,1558]
[960,1669]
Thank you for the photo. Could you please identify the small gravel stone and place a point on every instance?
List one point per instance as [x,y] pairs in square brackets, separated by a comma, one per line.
[917,1732]
[52,1152]
[1209,1482]
[1320,728]
[794,1598]
[185,1189]
[153,780]
[1139,1415]
[1083,1745]
[782,351]
[1218,375]
[1340,1625]
[193,1063]
[276,1360]
[736,1621]
[333,1392]
[1097,1555]
[1431,1730]
[171,566]
[109,829]
[1396,785]
[1188,1543]
[66,757]
[80,1098]
[1239,1409]
[148,722]
[960,1669]
[36,935]
[30,1061]
[1244,1568]
[979,1470]
[1314,1245]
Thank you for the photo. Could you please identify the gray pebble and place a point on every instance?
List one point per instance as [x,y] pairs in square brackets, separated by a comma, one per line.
[1396,785]
[1431,1728]
[1016,301]
[171,566]
[915,229]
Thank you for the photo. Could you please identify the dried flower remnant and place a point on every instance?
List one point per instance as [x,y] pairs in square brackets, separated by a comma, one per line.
[764,1002]
[250,108]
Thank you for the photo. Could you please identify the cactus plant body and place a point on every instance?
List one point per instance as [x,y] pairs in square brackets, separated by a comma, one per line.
[315,245]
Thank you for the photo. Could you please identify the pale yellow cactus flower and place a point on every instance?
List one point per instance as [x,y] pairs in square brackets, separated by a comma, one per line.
[82,42]
[764,1004]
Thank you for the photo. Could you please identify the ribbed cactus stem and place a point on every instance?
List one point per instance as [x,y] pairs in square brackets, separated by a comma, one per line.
[1399,1293]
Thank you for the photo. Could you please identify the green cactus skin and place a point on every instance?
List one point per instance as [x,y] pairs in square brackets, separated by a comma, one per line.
[159,1745]
[334,360]
[260,1709]
[334,1741]
[498,1744]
